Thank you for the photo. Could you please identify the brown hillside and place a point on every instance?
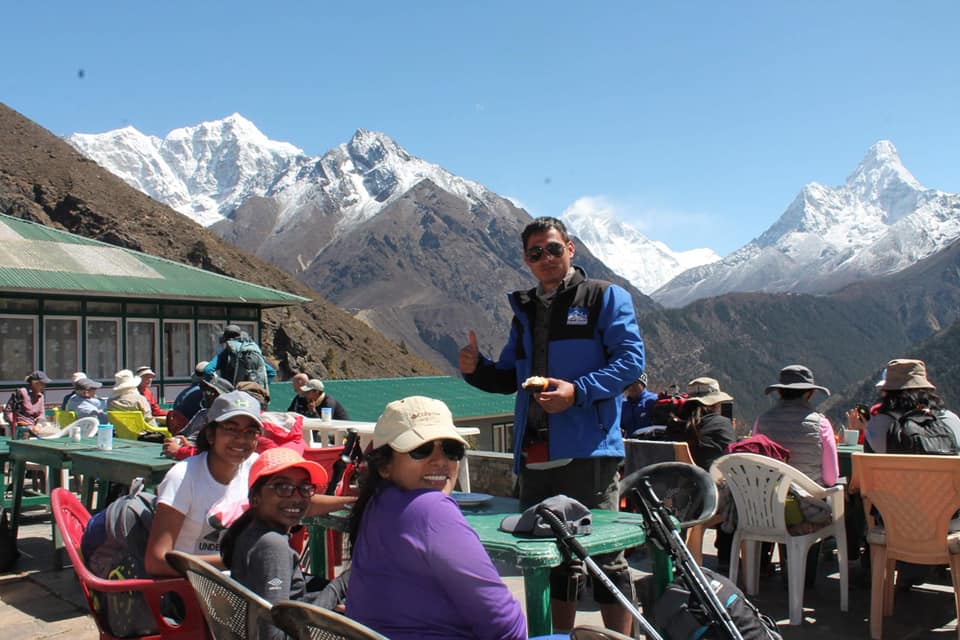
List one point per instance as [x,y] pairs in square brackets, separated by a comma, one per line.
[43,179]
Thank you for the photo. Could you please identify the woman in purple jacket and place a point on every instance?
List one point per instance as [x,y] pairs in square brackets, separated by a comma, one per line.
[418,569]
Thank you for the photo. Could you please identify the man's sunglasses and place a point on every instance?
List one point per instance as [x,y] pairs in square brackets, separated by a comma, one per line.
[452,449]
[285,489]
[553,248]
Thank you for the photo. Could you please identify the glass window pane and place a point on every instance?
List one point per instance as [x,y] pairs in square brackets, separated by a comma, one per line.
[141,344]
[19,304]
[103,348]
[208,339]
[250,328]
[210,311]
[17,347]
[142,309]
[104,308]
[61,347]
[177,311]
[177,349]
[62,306]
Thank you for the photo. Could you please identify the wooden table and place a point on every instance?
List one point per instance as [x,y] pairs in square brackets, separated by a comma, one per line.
[534,557]
[336,430]
[57,455]
[119,466]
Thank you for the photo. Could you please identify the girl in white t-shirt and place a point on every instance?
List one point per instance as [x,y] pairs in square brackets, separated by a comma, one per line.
[200,496]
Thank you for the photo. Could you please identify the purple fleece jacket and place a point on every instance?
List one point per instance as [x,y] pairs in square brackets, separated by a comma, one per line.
[419,571]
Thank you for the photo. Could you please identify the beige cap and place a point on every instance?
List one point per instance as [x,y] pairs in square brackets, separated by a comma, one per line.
[406,424]
[906,374]
[706,391]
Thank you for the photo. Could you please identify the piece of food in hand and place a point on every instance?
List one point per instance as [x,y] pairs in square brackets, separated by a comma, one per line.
[536,384]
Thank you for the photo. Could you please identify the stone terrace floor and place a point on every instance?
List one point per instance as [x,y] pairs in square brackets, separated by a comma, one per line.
[37,602]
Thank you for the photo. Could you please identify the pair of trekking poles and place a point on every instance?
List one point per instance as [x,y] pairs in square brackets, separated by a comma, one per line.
[660,529]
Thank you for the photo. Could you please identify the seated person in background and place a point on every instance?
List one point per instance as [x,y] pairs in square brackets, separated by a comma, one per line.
[256,547]
[637,407]
[312,398]
[204,493]
[184,444]
[906,390]
[857,419]
[705,430]
[794,424]
[146,375]
[187,402]
[77,375]
[124,396]
[85,402]
[25,407]
[418,568]
[282,433]
[297,382]
[708,434]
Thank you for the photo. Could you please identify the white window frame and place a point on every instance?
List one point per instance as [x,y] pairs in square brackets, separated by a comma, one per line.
[78,322]
[118,322]
[190,351]
[156,342]
[31,366]
[220,324]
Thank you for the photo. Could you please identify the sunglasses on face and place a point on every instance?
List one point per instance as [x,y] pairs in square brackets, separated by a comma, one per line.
[452,449]
[286,489]
[555,249]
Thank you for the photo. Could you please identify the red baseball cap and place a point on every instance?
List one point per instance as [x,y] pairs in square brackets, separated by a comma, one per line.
[280,459]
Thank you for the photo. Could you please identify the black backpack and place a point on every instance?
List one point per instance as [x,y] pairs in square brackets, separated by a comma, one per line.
[678,612]
[920,432]
[113,546]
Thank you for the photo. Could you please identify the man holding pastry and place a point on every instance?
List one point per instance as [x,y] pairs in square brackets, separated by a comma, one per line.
[574,346]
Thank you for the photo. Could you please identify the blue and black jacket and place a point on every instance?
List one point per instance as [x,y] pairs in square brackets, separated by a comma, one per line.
[594,343]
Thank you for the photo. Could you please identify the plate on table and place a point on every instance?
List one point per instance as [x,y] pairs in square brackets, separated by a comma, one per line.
[471,499]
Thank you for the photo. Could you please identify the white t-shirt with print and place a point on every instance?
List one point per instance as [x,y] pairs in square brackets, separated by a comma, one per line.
[190,489]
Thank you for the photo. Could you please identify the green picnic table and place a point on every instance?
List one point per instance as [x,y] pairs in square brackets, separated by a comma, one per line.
[57,455]
[119,466]
[534,557]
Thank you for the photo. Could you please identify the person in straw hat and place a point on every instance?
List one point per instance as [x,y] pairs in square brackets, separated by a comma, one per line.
[704,429]
[124,395]
[906,390]
[418,569]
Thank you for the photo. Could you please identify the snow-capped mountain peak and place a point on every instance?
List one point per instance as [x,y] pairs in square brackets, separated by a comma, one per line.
[880,221]
[647,264]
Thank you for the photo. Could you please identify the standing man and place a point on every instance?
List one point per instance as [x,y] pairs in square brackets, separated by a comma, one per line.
[582,336]
[637,409]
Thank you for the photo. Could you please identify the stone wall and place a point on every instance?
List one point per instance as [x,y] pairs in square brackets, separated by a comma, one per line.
[491,473]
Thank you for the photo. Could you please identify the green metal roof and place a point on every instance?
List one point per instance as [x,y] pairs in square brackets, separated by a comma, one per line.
[38,259]
[365,399]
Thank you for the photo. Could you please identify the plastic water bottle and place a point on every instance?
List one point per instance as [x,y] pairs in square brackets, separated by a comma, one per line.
[105,437]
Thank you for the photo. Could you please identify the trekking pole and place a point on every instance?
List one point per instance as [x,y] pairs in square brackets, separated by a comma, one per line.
[569,543]
[661,530]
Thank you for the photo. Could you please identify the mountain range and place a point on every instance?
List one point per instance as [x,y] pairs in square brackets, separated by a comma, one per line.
[418,253]
[424,256]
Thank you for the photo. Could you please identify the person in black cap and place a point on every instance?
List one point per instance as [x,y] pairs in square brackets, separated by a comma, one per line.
[25,407]
[637,408]
[794,423]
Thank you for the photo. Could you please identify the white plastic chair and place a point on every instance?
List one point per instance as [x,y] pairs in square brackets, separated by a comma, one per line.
[88,428]
[759,486]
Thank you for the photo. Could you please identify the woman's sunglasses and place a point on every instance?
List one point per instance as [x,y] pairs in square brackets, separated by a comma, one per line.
[285,489]
[452,449]
[555,249]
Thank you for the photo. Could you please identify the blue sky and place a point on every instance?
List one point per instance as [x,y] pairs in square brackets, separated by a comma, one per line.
[697,122]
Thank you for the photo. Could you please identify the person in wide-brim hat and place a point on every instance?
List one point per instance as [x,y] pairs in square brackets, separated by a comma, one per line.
[706,391]
[796,376]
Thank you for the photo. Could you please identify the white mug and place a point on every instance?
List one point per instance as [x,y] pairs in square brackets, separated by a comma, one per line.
[850,436]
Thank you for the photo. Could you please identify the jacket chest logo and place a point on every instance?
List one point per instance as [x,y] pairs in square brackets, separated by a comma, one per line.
[577,316]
